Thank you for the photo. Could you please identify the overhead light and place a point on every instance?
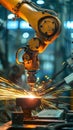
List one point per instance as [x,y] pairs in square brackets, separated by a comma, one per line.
[24,24]
[25,35]
[12,24]
[11,16]
[71,35]
[68,24]
[40,2]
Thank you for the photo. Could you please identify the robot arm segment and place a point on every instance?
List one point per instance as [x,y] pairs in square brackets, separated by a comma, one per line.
[46,26]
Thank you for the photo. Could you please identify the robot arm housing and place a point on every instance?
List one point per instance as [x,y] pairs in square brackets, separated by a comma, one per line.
[46,25]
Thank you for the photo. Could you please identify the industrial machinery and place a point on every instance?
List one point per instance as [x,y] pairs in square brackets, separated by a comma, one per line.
[47,27]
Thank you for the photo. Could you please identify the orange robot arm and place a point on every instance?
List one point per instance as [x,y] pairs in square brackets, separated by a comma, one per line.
[46,25]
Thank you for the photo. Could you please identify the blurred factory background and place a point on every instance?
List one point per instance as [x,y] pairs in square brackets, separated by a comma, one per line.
[15,33]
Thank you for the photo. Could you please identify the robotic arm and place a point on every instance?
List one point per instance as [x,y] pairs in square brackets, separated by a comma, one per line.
[46,25]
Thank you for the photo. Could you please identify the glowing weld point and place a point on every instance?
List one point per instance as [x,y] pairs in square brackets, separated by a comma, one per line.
[32,96]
